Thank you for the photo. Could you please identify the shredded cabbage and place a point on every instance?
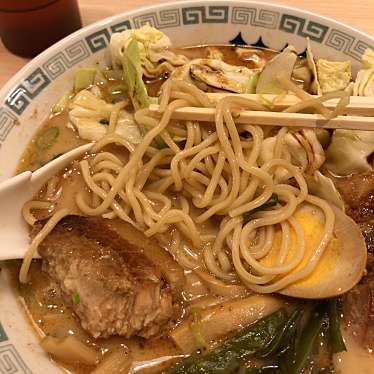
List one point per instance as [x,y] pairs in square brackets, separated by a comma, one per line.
[153,50]
[90,115]
[218,75]
[282,64]
[84,78]
[196,329]
[368,59]
[315,86]
[348,152]
[134,77]
[251,84]
[93,105]
[364,84]
[328,76]
[323,187]
[301,148]
[62,104]
[333,75]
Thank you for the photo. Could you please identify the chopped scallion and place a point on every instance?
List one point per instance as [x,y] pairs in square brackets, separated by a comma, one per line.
[335,337]
[104,122]
[61,105]
[46,139]
[118,89]
[113,74]
[305,343]
[251,84]
[246,216]
[57,156]
[196,329]
[160,143]
[84,77]
[273,200]
[75,298]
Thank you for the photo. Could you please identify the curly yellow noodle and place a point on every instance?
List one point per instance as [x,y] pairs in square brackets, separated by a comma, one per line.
[208,176]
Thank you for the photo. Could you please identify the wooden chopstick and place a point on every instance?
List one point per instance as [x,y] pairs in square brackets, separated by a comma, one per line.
[274,118]
[360,112]
[359,105]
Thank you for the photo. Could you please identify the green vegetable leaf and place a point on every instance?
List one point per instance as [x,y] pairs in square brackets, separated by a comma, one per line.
[46,139]
[61,105]
[160,143]
[282,339]
[104,122]
[231,355]
[335,337]
[295,361]
[196,329]
[250,86]
[75,298]
[273,200]
[57,156]
[246,216]
[132,71]
[84,77]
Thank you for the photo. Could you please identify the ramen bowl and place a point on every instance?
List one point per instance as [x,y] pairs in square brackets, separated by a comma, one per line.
[25,101]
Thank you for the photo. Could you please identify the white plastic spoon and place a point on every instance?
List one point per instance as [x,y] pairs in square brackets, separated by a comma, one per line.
[15,192]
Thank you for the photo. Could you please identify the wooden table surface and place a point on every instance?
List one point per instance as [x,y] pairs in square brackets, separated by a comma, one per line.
[357,13]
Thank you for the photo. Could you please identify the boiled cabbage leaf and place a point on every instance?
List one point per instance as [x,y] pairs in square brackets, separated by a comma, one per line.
[333,75]
[133,76]
[348,152]
[214,74]
[323,187]
[301,148]
[90,116]
[282,64]
[315,86]
[155,57]
[328,75]
[364,84]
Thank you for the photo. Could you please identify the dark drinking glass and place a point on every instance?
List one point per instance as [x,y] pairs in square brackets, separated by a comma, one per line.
[27,27]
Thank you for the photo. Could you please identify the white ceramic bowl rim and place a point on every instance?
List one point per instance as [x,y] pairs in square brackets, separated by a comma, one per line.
[26,98]
[112,19]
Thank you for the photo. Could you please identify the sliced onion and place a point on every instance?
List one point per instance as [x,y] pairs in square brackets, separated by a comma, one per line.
[218,321]
[219,288]
[70,349]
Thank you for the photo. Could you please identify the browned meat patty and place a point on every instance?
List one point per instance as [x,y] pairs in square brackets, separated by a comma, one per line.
[358,306]
[120,291]
[358,311]
[358,194]
[367,230]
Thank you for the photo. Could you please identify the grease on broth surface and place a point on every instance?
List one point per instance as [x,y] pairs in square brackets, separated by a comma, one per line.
[51,140]
[35,156]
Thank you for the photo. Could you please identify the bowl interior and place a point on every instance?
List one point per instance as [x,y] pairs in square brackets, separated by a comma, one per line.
[25,101]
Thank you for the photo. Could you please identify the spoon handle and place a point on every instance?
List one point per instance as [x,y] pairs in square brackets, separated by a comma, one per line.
[15,192]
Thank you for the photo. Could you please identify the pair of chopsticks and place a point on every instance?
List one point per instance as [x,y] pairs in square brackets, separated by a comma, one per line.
[360,113]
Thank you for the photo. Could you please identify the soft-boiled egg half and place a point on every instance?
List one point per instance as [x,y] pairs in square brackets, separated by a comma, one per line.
[342,263]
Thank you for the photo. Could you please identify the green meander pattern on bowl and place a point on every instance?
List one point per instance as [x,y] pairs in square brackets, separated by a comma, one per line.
[10,359]
[20,97]
[235,22]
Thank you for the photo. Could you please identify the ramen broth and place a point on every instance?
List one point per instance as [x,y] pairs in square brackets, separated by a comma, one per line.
[35,156]
[44,304]
[49,314]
